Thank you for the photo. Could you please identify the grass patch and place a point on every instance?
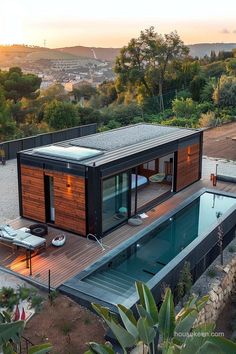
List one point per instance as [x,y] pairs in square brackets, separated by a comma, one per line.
[87,321]
[231,249]
[65,327]
[212,272]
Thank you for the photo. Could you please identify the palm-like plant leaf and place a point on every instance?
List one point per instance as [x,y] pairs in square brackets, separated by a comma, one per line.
[128,320]
[146,332]
[40,349]
[125,339]
[147,301]
[167,316]
[11,331]
[95,348]
[218,345]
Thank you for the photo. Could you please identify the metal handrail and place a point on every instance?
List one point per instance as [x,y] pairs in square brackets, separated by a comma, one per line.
[97,240]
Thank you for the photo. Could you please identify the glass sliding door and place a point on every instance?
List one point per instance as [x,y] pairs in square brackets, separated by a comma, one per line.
[115,200]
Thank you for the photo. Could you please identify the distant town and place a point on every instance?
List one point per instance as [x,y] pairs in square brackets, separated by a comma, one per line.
[59,66]
[73,66]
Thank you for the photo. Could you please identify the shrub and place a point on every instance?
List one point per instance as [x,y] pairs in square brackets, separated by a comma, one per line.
[207,120]
[231,249]
[211,273]
[225,92]
[60,115]
[184,108]
[36,302]
[196,86]
[179,122]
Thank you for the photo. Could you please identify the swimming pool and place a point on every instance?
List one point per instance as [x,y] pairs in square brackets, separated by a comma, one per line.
[151,255]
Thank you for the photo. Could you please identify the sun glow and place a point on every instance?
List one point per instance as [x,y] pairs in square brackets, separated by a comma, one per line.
[11,31]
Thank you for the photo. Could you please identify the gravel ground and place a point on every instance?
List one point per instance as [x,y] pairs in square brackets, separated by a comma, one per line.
[8,191]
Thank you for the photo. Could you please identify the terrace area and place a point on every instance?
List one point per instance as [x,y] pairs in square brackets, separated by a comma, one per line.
[78,252]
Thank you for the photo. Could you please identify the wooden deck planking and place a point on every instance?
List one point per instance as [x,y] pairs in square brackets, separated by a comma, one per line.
[78,252]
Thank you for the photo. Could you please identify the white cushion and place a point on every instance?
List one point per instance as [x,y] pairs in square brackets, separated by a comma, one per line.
[21,235]
[32,241]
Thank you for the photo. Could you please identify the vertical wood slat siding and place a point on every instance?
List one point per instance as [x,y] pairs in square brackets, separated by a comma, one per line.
[69,202]
[187,166]
[32,188]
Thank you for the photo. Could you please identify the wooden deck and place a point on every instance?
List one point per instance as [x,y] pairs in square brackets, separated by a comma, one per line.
[78,252]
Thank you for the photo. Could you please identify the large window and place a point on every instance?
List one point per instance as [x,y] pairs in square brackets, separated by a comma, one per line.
[115,201]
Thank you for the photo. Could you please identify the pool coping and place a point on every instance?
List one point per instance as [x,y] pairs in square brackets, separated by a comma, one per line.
[104,296]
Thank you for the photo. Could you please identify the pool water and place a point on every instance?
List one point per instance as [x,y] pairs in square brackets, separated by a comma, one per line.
[148,256]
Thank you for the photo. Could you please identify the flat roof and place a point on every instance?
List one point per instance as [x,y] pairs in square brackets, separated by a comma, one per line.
[113,144]
[117,138]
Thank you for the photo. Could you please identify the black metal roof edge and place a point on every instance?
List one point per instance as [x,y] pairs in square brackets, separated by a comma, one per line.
[90,162]
[125,151]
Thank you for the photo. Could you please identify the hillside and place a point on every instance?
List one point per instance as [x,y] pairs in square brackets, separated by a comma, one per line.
[202,49]
[93,52]
[18,53]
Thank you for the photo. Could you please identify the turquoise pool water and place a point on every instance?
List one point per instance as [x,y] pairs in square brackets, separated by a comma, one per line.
[155,250]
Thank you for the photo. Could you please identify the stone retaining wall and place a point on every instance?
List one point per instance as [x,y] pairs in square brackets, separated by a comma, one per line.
[219,294]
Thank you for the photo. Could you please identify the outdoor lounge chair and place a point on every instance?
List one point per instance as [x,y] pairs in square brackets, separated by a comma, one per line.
[20,238]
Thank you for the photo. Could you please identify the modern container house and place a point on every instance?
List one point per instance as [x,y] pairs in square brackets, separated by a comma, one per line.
[93,184]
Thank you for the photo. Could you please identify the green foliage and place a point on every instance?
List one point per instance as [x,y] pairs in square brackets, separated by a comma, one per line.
[215,69]
[225,92]
[60,115]
[55,91]
[231,66]
[123,114]
[232,249]
[17,85]
[174,329]
[87,115]
[183,94]
[184,108]
[36,302]
[212,273]
[207,120]
[7,124]
[185,281]
[8,298]
[85,91]
[196,86]
[145,61]
[66,326]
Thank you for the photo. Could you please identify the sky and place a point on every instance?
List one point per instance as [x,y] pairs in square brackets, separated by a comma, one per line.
[109,23]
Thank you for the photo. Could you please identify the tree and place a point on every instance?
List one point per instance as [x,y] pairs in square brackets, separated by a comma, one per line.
[7,124]
[17,85]
[225,92]
[184,108]
[85,91]
[231,66]
[55,91]
[60,115]
[177,331]
[196,86]
[144,61]
[88,115]
[215,69]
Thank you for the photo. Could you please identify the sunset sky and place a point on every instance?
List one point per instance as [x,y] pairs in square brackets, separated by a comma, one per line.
[109,23]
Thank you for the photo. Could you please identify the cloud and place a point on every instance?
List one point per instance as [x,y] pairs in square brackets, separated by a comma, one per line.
[225,31]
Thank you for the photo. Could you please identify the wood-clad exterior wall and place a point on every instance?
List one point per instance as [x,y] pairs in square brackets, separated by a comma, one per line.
[69,202]
[188,165]
[32,189]
[69,198]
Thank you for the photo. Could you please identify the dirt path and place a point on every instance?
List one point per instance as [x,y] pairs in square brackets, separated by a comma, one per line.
[218,142]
